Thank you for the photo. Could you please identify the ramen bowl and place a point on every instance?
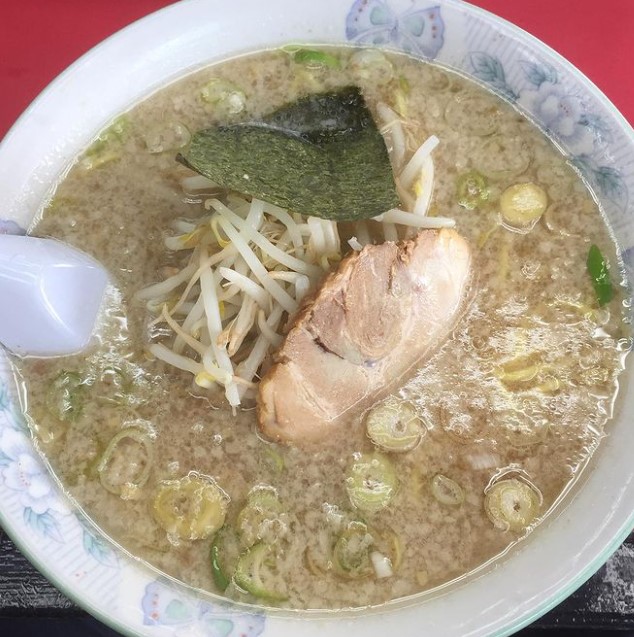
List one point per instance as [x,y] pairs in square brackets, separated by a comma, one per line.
[498,598]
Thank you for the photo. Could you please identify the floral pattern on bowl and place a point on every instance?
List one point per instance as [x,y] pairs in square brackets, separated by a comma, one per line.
[536,87]
[35,511]
[165,605]
[23,473]
[46,515]
[561,114]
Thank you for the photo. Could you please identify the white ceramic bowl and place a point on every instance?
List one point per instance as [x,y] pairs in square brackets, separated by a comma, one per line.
[501,598]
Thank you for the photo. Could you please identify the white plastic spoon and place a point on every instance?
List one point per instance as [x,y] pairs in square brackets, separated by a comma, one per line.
[50,295]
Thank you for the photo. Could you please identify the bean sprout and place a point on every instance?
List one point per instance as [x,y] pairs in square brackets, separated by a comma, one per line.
[408,219]
[247,265]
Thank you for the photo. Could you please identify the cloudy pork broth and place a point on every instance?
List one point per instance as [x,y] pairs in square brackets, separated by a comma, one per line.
[483,436]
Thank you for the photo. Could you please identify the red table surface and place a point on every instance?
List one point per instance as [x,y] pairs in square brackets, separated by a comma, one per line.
[39,38]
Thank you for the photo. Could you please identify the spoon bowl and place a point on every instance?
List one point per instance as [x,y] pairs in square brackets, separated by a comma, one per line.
[52,294]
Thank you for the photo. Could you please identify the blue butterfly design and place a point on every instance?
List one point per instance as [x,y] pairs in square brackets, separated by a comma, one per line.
[163,606]
[416,31]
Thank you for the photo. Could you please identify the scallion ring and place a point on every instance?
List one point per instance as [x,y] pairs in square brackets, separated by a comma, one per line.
[115,460]
[472,190]
[512,505]
[446,490]
[394,426]
[522,205]
[351,552]
[192,508]
[371,482]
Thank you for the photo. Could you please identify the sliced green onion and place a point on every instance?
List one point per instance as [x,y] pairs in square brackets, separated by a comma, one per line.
[115,384]
[422,578]
[502,156]
[114,376]
[225,97]
[224,555]
[522,430]
[116,461]
[351,552]
[394,426]
[483,115]
[106,147]
[167,137]
[273,459]
[522,205]
[192,508]
[115,133]
[97,160]
[371,483]
[371,64]
[262,507]
[520,375]
[401,96]
[312,564]
[598,271]
[316,59]
[396,547]
[256,573]
[512,504]
[67,395]
[446,490]
[472,190]
[265,497]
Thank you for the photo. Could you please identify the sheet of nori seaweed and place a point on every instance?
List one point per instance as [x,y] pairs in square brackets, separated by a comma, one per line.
[321,155]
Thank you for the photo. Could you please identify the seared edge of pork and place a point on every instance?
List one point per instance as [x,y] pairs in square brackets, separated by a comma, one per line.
[367,325]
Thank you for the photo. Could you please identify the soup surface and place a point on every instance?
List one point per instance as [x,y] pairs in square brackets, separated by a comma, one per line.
[518,394]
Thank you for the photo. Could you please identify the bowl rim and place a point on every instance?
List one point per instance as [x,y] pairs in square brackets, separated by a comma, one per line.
[625,527]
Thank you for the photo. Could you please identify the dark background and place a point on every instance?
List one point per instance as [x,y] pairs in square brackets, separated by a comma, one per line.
[39,38]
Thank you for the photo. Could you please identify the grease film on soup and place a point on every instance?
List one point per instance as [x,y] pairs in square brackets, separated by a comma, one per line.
[364,328]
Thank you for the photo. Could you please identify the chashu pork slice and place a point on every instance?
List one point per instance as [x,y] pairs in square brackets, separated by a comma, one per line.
[368,324]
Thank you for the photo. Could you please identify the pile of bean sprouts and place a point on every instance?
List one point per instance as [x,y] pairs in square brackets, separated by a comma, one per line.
[250,264]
